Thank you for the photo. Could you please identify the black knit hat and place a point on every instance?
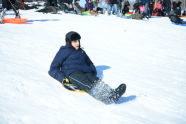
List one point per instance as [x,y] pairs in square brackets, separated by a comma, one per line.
[72,35]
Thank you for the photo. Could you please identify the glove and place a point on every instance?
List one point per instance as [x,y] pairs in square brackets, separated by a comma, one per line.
[66,81]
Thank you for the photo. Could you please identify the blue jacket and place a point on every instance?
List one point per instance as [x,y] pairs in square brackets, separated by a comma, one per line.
[69,60]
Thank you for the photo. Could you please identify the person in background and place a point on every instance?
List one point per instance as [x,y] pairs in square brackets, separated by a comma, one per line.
[167,6]
[98,6]
[184,13]
[67,6]
[11,4]
[78,8]
[112,7]
[126,7]
[146,11]
[158,11]
[178,8]
[151,7]
[89,5]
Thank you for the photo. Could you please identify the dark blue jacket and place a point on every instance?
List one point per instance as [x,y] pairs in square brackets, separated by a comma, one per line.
[69,60]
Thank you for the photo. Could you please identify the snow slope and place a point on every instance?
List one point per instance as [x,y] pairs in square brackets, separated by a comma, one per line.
[149,56]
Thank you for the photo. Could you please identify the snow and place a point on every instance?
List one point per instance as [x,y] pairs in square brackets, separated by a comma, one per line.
[149,56]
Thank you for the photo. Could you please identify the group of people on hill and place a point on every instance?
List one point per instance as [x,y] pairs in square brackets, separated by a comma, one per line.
[115,7]
[164,7]
[141,8]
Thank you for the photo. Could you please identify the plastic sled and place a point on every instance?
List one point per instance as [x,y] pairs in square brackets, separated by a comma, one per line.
[14,20]
[180,24]
[85,13]
[69,86]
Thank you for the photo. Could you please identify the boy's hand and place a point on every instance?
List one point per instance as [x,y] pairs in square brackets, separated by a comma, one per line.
[66,81]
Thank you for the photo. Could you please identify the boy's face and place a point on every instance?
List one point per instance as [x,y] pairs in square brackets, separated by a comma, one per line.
[75,44]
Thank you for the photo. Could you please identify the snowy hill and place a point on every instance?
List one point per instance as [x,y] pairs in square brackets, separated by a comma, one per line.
[149,56]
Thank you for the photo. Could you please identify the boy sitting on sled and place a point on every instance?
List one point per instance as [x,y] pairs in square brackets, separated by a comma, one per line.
[73,63]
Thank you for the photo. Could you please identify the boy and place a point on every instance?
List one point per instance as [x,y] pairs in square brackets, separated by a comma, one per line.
[73,63]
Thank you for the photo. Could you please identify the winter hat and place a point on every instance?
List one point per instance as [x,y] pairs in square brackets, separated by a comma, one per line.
[70,36]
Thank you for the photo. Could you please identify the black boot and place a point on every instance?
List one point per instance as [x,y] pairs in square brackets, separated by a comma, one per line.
[118,92]
[106,94]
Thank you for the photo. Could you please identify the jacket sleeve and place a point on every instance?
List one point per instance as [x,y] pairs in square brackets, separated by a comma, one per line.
[55,68]
[90,63]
